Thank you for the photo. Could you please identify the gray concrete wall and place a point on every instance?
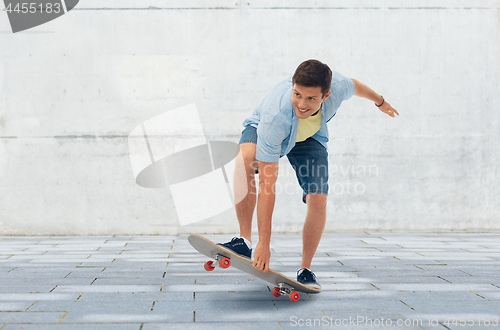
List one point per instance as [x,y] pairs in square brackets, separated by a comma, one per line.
[71,91]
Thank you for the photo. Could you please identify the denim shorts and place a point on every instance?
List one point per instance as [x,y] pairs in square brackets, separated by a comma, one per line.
[308,158]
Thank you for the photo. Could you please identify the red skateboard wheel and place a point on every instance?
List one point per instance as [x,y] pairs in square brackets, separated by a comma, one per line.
[225,262]
[276,292]
[209,266]
[294,296]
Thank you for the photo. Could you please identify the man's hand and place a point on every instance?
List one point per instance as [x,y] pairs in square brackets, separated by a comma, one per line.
[261,257]
[362,90]
[386,108]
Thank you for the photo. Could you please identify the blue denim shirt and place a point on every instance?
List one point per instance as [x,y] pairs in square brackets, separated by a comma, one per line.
[277,123]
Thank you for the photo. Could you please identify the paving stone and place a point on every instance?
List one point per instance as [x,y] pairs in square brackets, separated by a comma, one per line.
[215,325]
[491,295]
[347,286]
[404,279]
[237,295]
[28,317]
[107,288]
[86,326]
[445,287]
[14,306]
[28,288]
[444,305]
[258,286]
[240,278]
[37,296]
[83,317]
[243,311]
[87,307]
[117,272]
[97,297]
[128,281]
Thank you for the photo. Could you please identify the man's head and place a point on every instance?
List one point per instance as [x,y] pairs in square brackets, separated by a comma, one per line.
[311,86]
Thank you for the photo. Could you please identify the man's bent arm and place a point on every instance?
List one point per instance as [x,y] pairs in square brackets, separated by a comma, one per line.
[268,174]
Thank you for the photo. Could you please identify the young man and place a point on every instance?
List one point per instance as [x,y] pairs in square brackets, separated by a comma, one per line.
[292,121]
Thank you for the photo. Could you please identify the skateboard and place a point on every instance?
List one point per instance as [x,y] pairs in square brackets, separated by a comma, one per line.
[225,258]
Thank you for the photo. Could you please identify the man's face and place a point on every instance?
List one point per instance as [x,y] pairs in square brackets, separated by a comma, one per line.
[306,101]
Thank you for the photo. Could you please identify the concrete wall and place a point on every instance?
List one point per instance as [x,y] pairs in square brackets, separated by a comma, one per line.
[72,89]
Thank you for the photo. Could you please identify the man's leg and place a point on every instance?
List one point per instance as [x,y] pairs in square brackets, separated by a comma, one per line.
[244,188]
[244,192]
[309,159]
[313,227]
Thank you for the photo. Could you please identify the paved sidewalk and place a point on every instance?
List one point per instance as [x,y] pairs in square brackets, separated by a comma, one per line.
[370,280]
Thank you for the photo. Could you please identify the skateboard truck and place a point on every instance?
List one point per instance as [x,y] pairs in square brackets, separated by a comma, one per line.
[284,289]
[220,261]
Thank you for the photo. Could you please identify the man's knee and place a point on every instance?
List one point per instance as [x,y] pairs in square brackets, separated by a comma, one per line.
[316,200]
[247,152]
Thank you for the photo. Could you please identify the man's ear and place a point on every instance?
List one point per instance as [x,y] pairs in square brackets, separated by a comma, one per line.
[327,95]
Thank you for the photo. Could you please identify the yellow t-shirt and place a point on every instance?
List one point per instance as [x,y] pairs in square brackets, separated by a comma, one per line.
[308,127]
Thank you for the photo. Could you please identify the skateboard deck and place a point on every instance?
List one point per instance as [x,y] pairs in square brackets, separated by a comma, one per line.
[225,258]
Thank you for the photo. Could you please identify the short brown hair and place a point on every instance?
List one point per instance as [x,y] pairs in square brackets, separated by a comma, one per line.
[313,73]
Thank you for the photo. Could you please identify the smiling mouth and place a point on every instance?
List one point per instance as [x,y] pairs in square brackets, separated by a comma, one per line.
[302,111]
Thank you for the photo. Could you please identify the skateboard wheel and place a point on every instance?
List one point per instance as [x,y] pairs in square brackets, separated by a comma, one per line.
[294,296]
[225,263]
[209,266]
[276,292]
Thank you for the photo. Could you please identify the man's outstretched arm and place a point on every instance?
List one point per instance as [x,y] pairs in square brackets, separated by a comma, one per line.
[268,174]
[366,92]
